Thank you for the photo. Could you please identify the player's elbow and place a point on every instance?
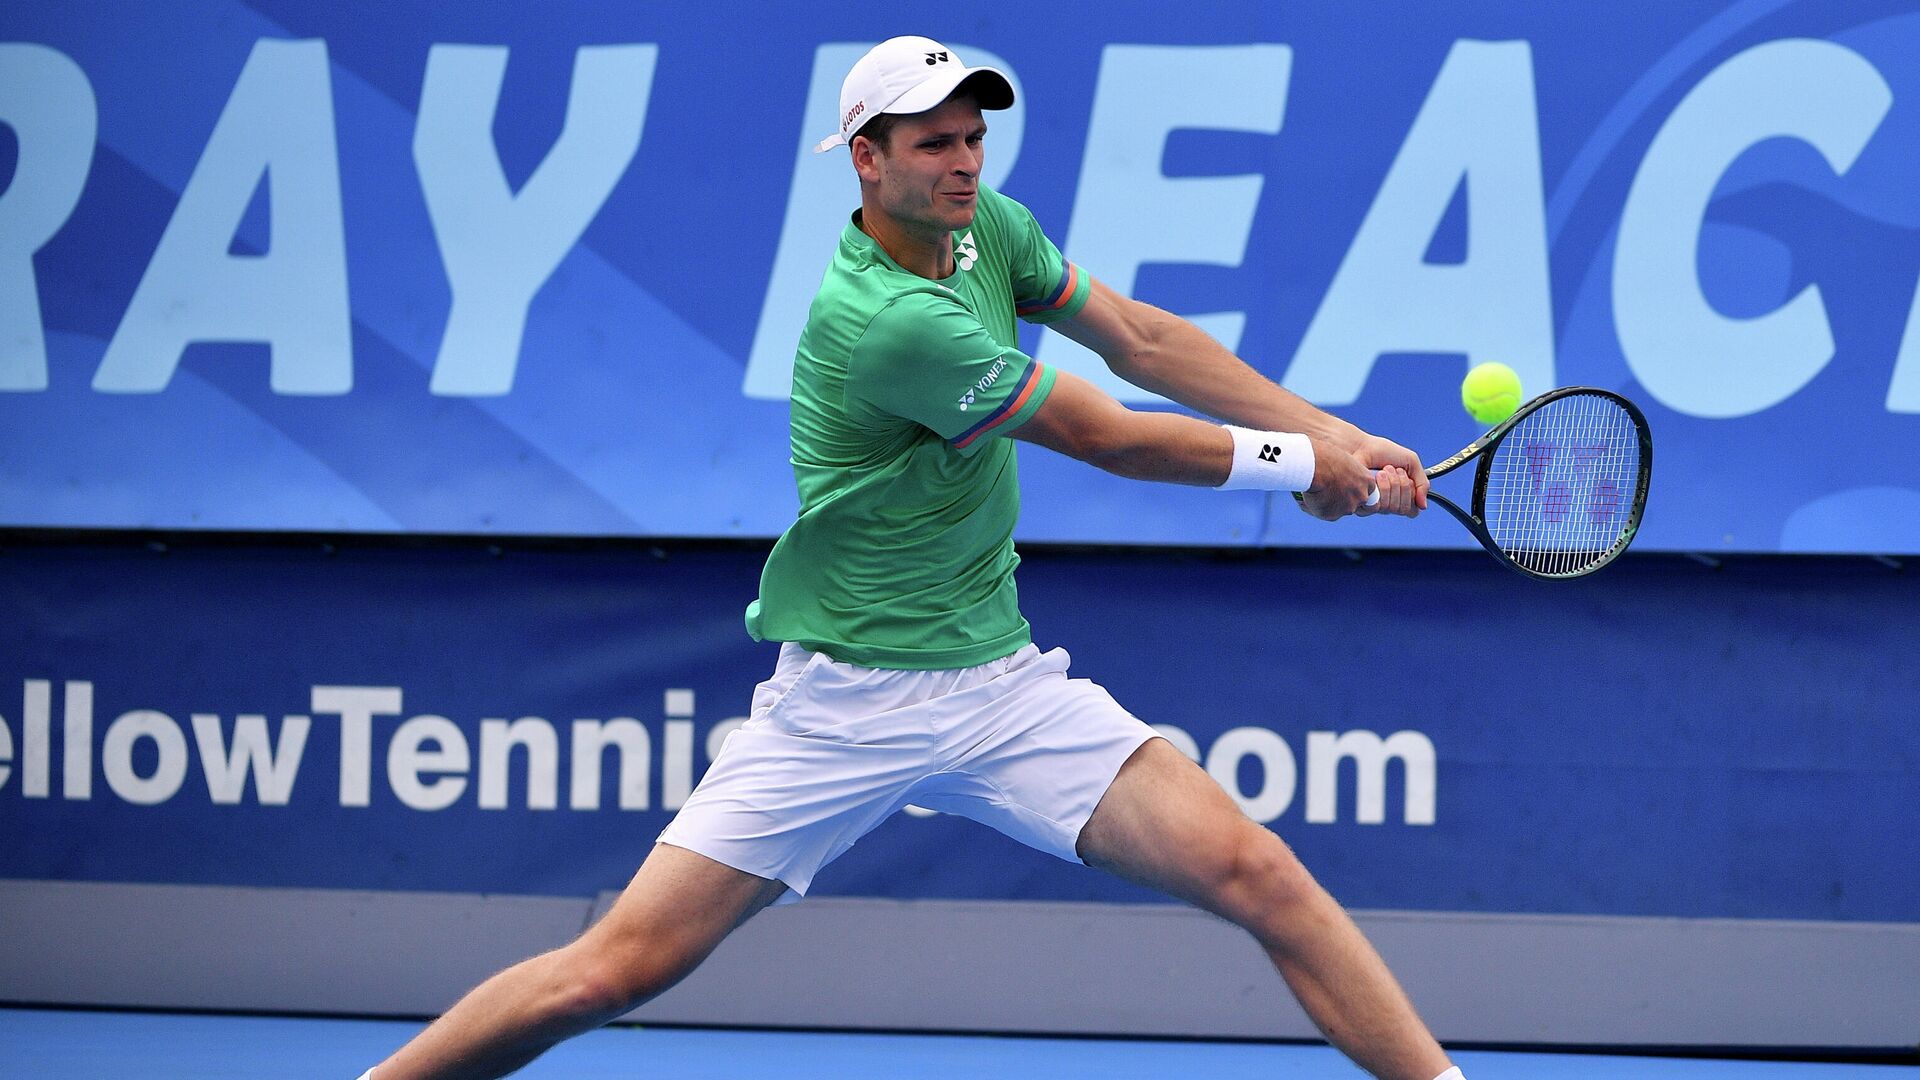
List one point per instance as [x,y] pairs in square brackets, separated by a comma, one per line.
[1128,450]
[1140,351]
[1106,443]
[1084,424]
[1107,452]
[1089,443]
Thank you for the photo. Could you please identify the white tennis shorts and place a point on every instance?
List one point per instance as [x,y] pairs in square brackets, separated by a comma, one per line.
[831,750]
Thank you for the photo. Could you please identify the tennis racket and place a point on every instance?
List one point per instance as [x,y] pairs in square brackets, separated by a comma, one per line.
[1561,483]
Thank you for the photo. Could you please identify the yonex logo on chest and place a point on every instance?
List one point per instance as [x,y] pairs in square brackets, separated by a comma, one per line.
[964,251]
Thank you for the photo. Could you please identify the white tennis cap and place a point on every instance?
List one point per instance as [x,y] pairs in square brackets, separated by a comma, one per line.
[909,75]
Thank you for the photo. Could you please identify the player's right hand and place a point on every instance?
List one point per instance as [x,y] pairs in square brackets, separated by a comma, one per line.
[1397,494]
[1341,484]
[1394,463]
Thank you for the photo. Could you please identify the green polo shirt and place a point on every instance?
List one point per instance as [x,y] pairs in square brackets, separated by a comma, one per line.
[904,389]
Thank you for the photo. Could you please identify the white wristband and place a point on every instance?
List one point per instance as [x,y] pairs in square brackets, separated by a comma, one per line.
[1451,1074]
[1269,461]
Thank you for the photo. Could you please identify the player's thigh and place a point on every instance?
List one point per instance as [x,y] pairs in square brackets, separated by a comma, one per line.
[1165,824]
[675,911]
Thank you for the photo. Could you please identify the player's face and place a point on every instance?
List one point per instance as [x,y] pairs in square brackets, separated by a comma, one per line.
[928,179]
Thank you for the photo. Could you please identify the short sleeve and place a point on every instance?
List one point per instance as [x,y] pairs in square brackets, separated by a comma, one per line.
[928,359]
[1046,287]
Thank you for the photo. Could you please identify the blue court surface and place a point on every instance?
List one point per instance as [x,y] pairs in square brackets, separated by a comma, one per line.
[88,1045]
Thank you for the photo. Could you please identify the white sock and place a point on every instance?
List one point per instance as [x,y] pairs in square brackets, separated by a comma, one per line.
[1451,1074]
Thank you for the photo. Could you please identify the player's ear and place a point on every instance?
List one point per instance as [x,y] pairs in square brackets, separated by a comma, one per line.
[864,152]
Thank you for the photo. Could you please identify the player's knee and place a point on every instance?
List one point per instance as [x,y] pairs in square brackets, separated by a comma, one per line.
[596,991]
[1264,886]
[606,979]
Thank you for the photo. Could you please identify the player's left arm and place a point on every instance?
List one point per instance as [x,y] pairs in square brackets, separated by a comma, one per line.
[1159,351]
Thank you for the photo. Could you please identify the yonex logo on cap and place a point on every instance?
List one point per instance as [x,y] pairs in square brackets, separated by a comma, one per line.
[936,58]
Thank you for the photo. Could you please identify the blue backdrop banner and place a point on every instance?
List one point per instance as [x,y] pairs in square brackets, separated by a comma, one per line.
[432,718]
[396,266]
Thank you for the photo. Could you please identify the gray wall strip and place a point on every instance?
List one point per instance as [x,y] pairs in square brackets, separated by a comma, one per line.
[1166,970]
[291,950]
[978,966]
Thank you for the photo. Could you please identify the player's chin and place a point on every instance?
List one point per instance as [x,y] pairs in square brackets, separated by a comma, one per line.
[958,209]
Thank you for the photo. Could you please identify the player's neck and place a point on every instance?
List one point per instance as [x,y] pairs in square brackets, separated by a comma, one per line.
[930,257]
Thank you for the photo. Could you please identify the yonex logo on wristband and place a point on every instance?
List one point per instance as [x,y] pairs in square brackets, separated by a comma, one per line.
[1269,452]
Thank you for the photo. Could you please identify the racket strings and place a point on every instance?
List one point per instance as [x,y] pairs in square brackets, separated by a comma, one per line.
[1561,486]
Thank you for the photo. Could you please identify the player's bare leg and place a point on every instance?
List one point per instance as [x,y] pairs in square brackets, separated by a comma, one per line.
[1164,823]
[676,910]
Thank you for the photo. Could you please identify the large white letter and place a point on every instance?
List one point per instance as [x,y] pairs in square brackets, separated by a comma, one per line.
[76,765]
[6,751]
[277,129]
[1903,394]
[500,246]
[824,192]
[48,102]
[590,740]
[1127,212]
[116,757]
[1688,355]
[356,706]
[36,732]
[497,740]
[1370,753]
[406,761]
[226,767]
[1478,127]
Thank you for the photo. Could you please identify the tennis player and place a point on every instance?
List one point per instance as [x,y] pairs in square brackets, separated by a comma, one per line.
[906,673]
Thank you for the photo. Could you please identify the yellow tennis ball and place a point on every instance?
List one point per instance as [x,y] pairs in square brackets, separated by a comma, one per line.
[1491,392]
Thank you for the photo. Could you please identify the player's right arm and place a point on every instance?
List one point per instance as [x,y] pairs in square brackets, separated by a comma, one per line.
[1161,352]
[1082,421]
[1172,357]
